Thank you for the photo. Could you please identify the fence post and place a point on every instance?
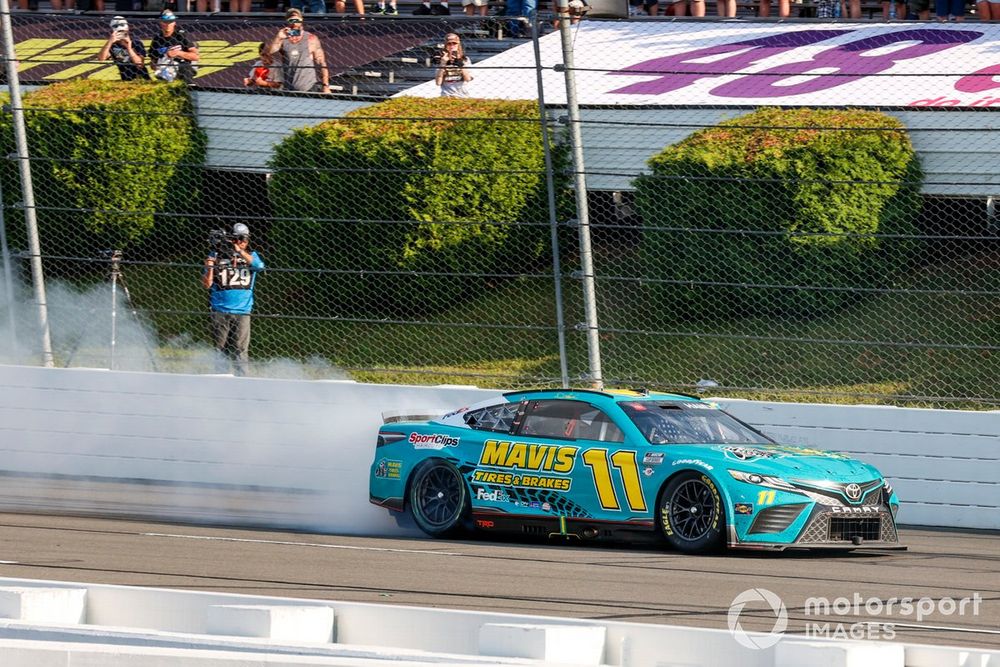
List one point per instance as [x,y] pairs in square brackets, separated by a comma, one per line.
[553,217]
[582,210]
[27,192]
[8,275]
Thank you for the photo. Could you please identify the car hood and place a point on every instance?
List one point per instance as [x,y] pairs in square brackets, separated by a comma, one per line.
[799,463]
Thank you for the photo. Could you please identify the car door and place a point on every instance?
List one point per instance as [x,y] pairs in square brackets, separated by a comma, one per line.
[598,475]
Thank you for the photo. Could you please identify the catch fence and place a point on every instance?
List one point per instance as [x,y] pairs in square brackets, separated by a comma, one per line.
[554,238]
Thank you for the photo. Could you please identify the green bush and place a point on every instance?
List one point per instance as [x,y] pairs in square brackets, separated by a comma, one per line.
[791,199]
[445,186]
[107,157]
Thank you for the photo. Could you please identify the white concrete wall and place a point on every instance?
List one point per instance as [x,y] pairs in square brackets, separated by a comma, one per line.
[137,627]
[296,453]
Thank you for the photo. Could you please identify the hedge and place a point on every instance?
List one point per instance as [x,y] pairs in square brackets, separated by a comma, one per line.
[448,186]
[791,199]
[112,156]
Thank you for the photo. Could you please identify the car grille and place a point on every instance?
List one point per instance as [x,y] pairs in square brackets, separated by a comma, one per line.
[776,519]
[845,529]
[834,529]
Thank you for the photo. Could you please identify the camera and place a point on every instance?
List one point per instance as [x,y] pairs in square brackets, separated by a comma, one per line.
[120,34]
[294,32]
[221,242]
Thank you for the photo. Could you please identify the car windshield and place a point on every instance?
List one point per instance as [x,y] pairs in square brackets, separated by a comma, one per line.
[693,423]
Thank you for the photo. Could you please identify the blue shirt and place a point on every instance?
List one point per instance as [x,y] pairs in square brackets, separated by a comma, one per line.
[233,283]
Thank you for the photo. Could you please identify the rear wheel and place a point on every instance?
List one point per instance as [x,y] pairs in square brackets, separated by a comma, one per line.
[691,515]
[438,499]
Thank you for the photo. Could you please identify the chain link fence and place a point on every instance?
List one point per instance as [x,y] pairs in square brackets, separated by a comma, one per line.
[431,240]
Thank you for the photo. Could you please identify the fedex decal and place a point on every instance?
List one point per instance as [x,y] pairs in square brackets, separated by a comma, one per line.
[750,64]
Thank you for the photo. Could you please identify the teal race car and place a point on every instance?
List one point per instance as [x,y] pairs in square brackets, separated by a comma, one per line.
[629,466]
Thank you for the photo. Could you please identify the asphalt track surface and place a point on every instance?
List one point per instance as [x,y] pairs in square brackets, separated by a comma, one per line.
[615,582]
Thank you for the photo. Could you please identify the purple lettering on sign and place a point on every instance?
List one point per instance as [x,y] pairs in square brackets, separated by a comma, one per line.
[848,62]
[678,71]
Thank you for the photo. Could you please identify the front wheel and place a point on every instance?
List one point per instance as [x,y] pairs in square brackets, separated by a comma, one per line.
[691,515]
[438,498]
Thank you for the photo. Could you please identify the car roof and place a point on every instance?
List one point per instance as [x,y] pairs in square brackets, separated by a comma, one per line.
[611,395]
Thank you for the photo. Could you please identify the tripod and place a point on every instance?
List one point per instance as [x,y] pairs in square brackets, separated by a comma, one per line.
[114,257]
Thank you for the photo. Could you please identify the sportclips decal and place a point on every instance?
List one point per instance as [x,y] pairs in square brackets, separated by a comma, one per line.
[57,47]
[745,64]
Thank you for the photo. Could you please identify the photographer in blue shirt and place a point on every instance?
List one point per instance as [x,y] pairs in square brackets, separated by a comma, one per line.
[229,276]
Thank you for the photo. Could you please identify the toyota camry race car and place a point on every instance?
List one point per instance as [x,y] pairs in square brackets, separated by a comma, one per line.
[625,465]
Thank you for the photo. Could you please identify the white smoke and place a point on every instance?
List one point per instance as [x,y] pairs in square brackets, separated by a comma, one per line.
[98,327]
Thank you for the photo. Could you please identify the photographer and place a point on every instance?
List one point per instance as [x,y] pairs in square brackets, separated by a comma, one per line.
[127,51]
[452,75]
[172,53]
[302,56]
[229,276]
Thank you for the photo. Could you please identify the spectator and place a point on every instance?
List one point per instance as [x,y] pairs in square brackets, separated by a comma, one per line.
[172,53]
[890,6]
[920,9]
[126,50]
[341,6]
[519,8]
[301,56]
[381,7]
[784,9]
[682,7]
[955,9]
[230,282]
[263,74]
[575,9]
[726,8]
[473,7]
[438,8]
[988,10]
[311,6]
[242,6]
[452,74]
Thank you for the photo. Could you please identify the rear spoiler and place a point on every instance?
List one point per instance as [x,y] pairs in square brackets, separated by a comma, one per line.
[394,416]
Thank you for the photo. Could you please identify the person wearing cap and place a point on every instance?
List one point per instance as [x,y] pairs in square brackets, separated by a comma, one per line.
[230,282]
[172,53]
[126,50]
[303,63]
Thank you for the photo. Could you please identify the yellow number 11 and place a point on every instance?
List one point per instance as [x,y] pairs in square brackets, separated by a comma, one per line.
[625,462]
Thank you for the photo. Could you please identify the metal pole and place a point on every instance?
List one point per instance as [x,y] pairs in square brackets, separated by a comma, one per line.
[115,259]
[8,276]
[27,192]
[582,211]
[553,218]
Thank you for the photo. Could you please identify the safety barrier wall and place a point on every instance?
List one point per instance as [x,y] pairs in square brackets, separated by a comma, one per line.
[120,626]
[296,454]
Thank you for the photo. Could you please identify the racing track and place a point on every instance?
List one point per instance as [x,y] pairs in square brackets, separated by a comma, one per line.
[587,581]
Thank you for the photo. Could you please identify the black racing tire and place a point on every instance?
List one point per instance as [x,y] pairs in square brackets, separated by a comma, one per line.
[438,499]
[690,514]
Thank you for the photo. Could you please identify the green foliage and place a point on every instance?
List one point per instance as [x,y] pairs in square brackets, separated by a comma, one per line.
[107,157]
[780,198]
[412,185]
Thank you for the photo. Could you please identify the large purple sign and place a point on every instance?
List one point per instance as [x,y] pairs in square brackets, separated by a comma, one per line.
[747,64]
